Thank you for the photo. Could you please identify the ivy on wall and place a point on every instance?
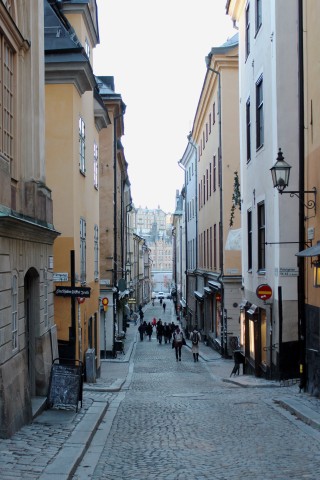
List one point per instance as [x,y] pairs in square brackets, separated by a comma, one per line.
[236,198]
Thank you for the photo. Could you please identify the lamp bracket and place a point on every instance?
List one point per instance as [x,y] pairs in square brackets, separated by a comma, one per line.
[296,193]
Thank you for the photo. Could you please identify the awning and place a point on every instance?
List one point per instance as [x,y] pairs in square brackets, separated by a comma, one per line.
[244,304]
[253,309]
[214,285]
[207,291]
[183,304]
[123,294]
[199,296]
[310,252]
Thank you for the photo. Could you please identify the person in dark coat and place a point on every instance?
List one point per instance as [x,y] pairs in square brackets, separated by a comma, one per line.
[159,331]
[149,331]
[141,331]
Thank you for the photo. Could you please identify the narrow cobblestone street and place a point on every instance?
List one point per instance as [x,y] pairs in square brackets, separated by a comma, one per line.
[180,420]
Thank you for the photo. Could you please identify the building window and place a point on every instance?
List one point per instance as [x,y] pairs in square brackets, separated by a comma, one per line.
[206,132]
[207,180]
[6,100]
[219,168]
[249,233]
[96,252]
[95,165]
[247,39]
[45,299]
[214,173]
[215,246]
[203,141]
[210,117]
[259,113]
[83,265]
[261,237]
[87,48]
[248,127]
[8,5]
[210,243]
[210,179]
[213,114]
[204,189]
[204,250]
[258,14]
[14,317]
[82,146]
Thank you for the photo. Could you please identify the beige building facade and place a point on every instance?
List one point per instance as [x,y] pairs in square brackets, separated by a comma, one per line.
[218,278]
[27,332]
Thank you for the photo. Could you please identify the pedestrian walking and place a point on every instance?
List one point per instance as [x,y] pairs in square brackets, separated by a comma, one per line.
[166,333]
[154,321]
[159,331]
[149,331]
[164,307]
[195,338]
[141,331]
[177,343]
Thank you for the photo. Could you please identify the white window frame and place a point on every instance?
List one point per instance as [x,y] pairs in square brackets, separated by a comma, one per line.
[83,264]
[95,165]
[82,145]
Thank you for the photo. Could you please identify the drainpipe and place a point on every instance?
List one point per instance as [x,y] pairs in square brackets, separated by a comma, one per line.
[301,277]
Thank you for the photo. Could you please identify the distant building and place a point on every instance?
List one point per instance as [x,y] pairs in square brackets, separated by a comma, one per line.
[155,226]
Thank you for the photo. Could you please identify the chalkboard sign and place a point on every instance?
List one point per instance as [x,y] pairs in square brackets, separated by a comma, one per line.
[65,388]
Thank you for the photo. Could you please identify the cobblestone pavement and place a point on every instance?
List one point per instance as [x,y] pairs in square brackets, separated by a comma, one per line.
[181,421]
[161,419]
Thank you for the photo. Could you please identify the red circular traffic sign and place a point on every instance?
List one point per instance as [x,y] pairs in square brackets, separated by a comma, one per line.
[105,301]
[264,291]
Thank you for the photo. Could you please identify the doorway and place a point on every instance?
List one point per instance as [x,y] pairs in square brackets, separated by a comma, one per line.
[32,320]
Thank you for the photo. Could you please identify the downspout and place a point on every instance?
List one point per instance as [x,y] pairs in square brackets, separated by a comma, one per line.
[301,277]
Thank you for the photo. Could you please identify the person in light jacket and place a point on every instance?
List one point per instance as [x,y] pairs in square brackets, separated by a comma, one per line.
[178,342]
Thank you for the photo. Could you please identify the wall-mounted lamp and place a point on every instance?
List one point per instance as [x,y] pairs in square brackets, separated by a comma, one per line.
[316,273]
[280,173]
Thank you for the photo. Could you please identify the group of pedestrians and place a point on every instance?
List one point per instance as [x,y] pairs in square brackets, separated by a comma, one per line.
[170,333]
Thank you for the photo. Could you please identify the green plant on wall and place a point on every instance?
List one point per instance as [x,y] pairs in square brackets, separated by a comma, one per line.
[236,198]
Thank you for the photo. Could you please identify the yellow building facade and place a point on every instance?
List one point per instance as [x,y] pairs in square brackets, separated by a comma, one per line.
[75,116]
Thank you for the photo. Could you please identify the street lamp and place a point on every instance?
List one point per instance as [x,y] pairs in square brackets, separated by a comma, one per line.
[280,173]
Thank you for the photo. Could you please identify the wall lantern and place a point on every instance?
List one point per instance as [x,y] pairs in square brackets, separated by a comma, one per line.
[280,173]
[316,273]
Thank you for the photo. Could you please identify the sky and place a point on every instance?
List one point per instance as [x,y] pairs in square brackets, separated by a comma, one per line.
[155,50]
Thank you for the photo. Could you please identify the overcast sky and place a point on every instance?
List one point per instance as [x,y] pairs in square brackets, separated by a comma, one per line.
[155,50]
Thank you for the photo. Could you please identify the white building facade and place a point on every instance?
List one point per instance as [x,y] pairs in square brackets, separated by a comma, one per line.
[269,120]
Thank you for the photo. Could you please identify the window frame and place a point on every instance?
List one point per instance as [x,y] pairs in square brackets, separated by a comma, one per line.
[249,240]
[261,238]
[82,145]
[248,129]
[259,114]
[258,15]
[247,30]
